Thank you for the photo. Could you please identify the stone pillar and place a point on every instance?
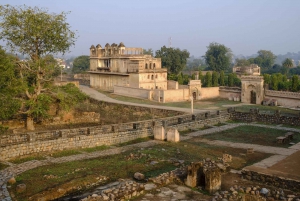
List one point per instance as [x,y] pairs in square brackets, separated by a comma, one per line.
[173,135]
[194,172]
[212,180]
[159,133]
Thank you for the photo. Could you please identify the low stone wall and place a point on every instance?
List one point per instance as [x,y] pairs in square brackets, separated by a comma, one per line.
[255,115]
[16,145]
[64,141]
[284,98]
[269,179]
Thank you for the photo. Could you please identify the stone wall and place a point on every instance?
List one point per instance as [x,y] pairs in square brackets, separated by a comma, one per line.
[133,92]
[255,115]
[284,98]
[16,145]
[230,92]
[269,179]
[65,140]
[209,92]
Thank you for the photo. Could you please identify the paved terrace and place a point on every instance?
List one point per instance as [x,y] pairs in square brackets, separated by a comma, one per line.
[280,154]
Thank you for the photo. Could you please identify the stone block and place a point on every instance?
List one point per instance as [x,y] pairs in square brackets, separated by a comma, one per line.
[194,170]
[173,135]
[227,158]
[159,133]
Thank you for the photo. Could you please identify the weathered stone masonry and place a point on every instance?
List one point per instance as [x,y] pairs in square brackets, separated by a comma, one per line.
[255,115]
[28,143]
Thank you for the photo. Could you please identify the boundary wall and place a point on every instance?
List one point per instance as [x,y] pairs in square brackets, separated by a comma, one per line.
[256,115]
[17,145]
[284,98]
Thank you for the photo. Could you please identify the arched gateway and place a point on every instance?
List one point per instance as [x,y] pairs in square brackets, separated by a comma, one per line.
[252,89]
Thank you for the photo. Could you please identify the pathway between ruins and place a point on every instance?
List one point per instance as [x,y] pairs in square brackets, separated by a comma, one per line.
[93,93]
[280,153]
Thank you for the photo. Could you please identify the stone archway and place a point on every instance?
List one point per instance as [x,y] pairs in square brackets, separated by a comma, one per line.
[194,96]
[252,97]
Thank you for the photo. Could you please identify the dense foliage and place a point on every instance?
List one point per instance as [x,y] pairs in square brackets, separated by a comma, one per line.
[81,64]
[173,59]
[36,34]
[218,57]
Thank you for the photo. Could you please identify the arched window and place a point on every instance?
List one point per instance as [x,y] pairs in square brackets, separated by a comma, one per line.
[150,65]
[154,65]
[152,77]
[146,66]
[148,76]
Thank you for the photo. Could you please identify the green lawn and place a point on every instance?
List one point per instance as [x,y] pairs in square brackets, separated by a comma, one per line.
[252,135]
[27,158]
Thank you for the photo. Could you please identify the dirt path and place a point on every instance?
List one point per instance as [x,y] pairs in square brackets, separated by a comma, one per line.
[102,97]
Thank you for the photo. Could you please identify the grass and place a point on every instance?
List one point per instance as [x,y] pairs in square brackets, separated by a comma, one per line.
[138,140]
[98,148]
[122,166]
[252,135]
[28,158]
[267,109]
[65,153]
[3,166]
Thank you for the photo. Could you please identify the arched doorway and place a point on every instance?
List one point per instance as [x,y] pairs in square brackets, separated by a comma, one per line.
[194,95]
[252,97]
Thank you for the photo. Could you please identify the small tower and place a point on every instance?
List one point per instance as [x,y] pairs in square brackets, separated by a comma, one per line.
[99,50]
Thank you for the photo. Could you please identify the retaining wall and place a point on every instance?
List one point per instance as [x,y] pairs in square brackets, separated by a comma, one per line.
[16,145]
[271,180]
[255,115]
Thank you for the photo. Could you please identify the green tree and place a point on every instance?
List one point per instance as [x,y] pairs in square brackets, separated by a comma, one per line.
[222,78]
[265,59]
[267,78]
[10,86]
[230,80]
[33,32]
[172,59]
[236,80]
[208,79]
[295,83]
[180,79]
[215,79]
[201,77]
[274,82]
[149,51]
[242,62]
[81,64]
[286,65]
[218,57]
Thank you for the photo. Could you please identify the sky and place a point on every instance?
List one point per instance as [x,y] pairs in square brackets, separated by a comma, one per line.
[244,26]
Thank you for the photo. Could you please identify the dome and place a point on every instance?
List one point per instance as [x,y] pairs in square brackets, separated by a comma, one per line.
[121,44]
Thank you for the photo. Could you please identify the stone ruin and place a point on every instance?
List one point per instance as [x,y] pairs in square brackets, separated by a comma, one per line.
[206,174]
[172,135]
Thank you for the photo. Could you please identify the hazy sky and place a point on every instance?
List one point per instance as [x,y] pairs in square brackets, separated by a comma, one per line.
[243,26]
